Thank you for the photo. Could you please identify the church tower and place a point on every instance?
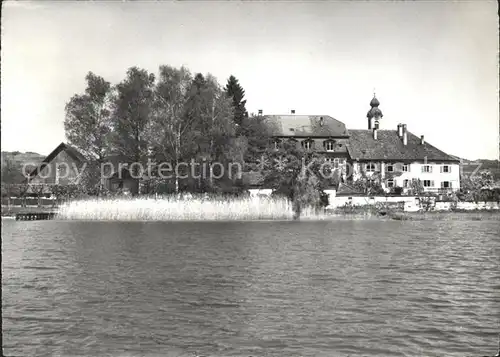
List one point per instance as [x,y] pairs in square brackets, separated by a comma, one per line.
[374,114]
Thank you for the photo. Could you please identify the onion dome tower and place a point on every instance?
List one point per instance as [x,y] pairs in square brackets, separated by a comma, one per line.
[374,114]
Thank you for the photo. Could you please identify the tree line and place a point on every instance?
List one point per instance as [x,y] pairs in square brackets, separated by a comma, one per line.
[180,117]
[176,116]
[173,117]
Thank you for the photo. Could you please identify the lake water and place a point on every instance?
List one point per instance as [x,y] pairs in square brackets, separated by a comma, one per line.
[342,288]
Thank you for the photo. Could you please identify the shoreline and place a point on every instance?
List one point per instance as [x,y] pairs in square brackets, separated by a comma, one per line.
[477,215]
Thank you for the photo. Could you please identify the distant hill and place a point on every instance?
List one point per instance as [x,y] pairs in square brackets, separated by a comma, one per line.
[12,173]
[20,158]
[469,166]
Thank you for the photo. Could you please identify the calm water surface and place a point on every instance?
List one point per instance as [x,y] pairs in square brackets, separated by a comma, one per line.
[358,288]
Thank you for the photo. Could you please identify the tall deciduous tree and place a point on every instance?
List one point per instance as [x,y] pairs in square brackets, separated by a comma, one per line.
[369,185]
[297,174]
[236,93]
[87,121]
[87,125]
[211,112]
[169,128]
[131,114]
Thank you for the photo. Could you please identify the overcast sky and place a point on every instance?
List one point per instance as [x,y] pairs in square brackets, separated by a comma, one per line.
[434,65]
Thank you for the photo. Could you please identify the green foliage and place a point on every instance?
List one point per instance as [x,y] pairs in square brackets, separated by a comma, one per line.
[255,133]
[426,203]
[10,171]
[87,120]
[236,93]
[297,174]
[416,187]
[67,192]
[479,187]
[131,113]
[369,185]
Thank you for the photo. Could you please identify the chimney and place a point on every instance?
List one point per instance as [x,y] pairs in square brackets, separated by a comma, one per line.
[293,111]
[260,111]
[375,133]
[400,130]
[422,141]
[405,135]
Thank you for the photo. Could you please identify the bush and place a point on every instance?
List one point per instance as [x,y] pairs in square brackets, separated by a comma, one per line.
[397,190]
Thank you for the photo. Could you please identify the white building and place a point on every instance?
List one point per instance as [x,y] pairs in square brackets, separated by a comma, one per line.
[398,157]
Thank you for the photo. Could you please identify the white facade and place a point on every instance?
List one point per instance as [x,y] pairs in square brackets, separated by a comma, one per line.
[435,176]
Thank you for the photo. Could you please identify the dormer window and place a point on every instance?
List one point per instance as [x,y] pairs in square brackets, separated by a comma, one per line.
[306,144]
[329,145]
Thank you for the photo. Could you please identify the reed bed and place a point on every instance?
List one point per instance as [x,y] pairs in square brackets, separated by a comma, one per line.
[175,209]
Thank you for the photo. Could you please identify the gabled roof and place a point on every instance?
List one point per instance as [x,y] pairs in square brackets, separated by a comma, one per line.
[389,146]
[305,126]
[73,152]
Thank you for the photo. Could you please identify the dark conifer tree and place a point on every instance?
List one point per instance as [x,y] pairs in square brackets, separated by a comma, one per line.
[236,92]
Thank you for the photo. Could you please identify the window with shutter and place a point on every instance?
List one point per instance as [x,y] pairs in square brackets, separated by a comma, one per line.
[445,184]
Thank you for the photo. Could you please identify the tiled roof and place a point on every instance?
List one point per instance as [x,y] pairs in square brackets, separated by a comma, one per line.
[305,125]
[389,146]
